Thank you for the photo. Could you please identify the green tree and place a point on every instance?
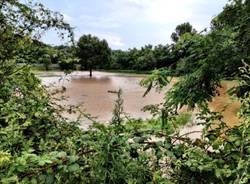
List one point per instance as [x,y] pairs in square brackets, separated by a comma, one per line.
[182,29]
[46,60]
[146,61]
[235,18]
[93,52]
[119,60]
[65,57]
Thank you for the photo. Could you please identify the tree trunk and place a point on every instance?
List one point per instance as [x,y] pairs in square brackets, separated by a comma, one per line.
[90,71]
[46,67]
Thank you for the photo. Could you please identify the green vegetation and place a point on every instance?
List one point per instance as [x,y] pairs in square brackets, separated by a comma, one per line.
[181,30]
[37,145]
[92,51]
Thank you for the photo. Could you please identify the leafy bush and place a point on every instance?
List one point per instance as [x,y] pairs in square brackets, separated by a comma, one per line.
[68,64]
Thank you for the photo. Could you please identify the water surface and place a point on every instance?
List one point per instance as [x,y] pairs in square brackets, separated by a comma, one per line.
[93,92]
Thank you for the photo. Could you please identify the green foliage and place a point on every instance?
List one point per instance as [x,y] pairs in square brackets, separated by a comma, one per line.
[146,58]
[221,154]
[93,51]
[158,79]
[68,64]
[183,118]
[41,147]
[119,60]
[181,30]
[67,59]
[37,145]
[235,17]
[46,60]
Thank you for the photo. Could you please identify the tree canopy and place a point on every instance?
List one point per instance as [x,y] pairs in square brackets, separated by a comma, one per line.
[91,51]
[181,30]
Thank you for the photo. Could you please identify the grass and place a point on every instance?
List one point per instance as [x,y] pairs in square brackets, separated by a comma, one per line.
[40,67]
[55,67]
[183,118]
[155,124]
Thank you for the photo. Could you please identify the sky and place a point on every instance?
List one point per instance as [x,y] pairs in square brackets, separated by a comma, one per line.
[132,23]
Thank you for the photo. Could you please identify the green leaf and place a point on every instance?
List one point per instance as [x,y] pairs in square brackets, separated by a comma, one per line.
[73,168]
[12,179]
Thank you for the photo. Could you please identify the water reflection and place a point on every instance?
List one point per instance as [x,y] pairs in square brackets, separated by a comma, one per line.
[86,79]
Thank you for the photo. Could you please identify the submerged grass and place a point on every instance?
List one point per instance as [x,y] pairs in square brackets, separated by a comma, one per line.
[155,123]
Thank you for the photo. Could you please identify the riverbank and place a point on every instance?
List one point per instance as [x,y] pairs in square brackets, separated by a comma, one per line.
[56,67]
[125,71]
[58,73]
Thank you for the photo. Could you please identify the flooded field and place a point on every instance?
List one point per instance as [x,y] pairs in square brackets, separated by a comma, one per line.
[93,93]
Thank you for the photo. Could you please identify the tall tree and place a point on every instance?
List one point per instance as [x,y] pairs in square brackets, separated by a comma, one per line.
[182,29]
[93,51]
[236,18]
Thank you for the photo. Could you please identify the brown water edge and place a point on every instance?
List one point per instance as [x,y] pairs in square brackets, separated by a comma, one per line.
[223,103]
[93,93]
[228,106]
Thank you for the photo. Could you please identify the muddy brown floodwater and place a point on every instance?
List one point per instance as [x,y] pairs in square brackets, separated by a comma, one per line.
[93,92]
[97,101]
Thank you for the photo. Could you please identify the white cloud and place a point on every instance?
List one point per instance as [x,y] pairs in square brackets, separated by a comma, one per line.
[113,40]
[67,18]
[158,11]
[165,11]
[99,22]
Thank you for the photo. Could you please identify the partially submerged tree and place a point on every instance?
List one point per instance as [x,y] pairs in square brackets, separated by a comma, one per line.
[93,51]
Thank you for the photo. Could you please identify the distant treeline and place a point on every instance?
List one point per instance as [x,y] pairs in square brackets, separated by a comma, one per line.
[90,52]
